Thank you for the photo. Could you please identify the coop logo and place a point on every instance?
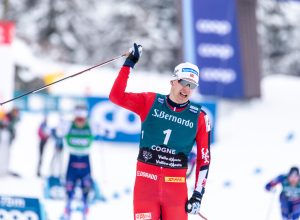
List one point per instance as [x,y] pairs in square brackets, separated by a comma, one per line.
[220,51]
[219,27]
[143,216]
[108,120]
[17,215]
[225,76]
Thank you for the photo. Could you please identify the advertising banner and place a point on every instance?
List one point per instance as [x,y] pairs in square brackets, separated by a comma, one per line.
[20,208]
[215,46]
[113,123]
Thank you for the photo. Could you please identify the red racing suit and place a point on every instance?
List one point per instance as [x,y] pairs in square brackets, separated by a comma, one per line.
[160,190]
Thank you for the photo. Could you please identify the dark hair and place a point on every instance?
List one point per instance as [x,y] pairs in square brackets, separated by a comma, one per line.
[293,171]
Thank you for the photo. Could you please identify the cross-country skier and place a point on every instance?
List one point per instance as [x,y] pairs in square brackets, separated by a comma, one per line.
[290,194]
[171,124]
[57,133]
[78,140]
[43,134]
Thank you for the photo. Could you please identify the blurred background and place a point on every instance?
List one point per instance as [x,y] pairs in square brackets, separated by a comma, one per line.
[248,53]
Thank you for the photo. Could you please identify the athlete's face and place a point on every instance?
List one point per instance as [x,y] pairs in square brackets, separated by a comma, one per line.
[80,121]
[80,117]
[181,90]
[294,179]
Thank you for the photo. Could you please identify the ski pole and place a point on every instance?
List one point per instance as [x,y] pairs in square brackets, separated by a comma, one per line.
[73,75]
[202,216]
[271,202]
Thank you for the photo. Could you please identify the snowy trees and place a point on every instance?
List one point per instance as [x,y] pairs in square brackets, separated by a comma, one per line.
[279,35]
[91,31]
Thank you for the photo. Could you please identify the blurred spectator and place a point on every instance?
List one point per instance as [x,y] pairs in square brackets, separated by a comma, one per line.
[290,194]
[9,121]
[2,114]
[43,134]
[57,133]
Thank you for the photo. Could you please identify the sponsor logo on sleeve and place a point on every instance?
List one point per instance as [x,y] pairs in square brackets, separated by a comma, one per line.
[194,109]
[207,123]
[205,155]
[160,100]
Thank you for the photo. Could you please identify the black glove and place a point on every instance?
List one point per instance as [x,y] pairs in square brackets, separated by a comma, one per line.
[192,206]
[134,55]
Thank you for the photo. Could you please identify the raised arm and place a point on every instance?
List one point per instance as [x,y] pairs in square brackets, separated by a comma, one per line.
[139,103]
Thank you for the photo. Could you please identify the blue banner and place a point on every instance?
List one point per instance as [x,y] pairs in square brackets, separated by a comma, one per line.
[113,123]
[20,208]
[216,47]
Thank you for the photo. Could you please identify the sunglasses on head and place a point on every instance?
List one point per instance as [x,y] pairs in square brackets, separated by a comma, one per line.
[185,83]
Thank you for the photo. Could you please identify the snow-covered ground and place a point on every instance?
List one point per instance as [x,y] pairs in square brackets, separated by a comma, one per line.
[255,141]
